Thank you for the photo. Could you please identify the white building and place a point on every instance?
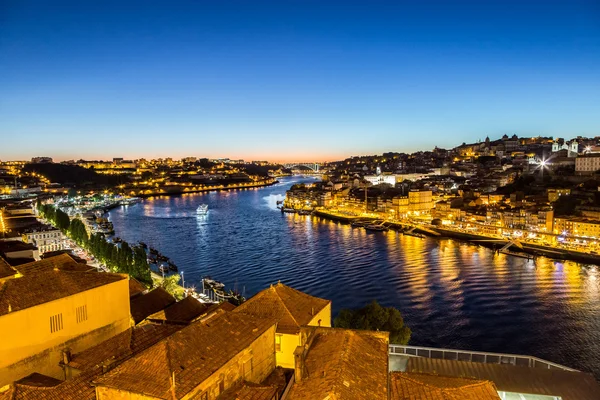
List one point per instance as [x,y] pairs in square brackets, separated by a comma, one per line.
[587,164]
[45,239]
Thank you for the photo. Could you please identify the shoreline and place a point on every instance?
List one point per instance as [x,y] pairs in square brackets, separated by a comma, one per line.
[492,243]
[207,189]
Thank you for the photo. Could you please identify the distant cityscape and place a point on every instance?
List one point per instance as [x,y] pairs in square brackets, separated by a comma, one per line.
[89,316]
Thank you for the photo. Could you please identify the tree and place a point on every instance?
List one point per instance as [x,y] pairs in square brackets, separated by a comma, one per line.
[170,284]
[375,317]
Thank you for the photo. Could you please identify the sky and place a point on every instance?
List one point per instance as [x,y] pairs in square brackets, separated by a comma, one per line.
[291,80]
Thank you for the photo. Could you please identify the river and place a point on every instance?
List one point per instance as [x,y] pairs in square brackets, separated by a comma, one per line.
[451,294]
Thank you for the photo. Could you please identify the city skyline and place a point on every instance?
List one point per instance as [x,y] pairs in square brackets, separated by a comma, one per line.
[291,82]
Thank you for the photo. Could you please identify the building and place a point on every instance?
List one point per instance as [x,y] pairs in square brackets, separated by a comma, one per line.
[555,193]
[420,201]
[587,164]
[341,364]
[577,226]
[16,252]
[41,160]
[200,361]
[45,237]
[52,310]
[291,309]
[415,386]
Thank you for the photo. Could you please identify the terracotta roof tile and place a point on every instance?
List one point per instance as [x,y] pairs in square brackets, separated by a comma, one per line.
[345,364]
[5,269]
[249,391]
[413,386]
[78,388]
[62,262]
[123,345]
[149,303]
[193,354]
[31,290]
[183,311]
[135,287]
[289,307]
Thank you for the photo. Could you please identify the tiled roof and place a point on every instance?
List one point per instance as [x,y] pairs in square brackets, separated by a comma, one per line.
[32,290]
[149,303]
[289,307]
[344,364]
[191,354]
[135,287]
[249,391]
[5,269]
[183,311]
[569,385]
[123,345]
[63,262]
[413,386]
[78,388]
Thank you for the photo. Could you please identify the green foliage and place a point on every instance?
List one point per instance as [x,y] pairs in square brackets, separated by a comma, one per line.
[566,205]
[170,284]
[377,318]
[121,259]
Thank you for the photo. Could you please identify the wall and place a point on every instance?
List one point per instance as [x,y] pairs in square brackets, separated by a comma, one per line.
[116,394]
[285,357]
[29,346]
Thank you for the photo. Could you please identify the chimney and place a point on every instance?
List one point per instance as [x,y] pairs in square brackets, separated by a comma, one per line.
[66,356]
[298,363]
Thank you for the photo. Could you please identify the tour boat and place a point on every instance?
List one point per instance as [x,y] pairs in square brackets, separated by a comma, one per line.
[378,228]
[202,209]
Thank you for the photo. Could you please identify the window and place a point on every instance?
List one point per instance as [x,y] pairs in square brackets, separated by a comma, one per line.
[278,343]
[56,323]
[81,313]
[248,367]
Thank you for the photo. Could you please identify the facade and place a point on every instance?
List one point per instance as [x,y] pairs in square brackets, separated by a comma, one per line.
[587,164]
[577,226]
[82,309]
[45,239]
[555,193]
[420,201]
[291,309]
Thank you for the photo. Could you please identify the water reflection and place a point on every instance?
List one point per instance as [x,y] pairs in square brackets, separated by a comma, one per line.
[451,294]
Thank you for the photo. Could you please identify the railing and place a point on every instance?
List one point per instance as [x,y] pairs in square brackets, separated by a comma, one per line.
[474,356]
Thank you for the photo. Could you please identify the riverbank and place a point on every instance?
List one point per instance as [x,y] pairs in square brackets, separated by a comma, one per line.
[494,243]
[178,190]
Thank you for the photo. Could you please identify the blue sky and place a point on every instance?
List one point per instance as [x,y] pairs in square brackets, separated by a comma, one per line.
[291,80]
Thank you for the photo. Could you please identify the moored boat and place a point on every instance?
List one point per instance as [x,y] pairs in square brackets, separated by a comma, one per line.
[377,228]
[202,209]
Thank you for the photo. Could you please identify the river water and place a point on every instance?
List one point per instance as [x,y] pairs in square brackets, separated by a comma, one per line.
[451,294]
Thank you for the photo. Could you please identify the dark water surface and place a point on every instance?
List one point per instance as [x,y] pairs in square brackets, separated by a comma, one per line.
[451,294]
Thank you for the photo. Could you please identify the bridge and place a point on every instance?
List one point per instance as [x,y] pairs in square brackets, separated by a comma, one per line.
[312,166]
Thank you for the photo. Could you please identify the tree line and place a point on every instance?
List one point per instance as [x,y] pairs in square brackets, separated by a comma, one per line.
[121,258]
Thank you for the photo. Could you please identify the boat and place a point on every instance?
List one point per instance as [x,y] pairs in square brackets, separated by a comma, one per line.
[153,251]
[163,268]
[202,209]
[144,245]
[209,283]
[359,224]
[172,266]
[287,210]
[130,200]
[377,228]
[415,234]
[304,212]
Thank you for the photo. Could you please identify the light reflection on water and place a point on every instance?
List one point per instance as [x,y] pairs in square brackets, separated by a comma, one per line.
[451,294]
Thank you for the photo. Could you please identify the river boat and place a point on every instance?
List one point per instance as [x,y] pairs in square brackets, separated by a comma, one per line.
[160,257]
[153,251]
[288,210]
[359,224]
[144,245]
[415,234]
[163,268]
[209,283]
[130,200]
[151,260]
[172,266]
[202,209]
[377,228]
[304,212]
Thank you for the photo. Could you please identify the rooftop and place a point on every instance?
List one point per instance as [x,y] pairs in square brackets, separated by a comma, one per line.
[415,386]
[183,311]
[569,385]
[149,303]
[123,345]
[289,307]
[191,355]
[345,364]
[5,269]
[62,262]
[31,290]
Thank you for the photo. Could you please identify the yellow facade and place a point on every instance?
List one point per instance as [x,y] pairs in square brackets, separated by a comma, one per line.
[253,364]
[33,339]
[285,344]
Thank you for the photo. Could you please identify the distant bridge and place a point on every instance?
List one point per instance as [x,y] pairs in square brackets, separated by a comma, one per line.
[313,166]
